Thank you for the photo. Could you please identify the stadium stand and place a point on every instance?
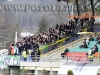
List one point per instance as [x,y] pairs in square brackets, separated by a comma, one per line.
[77,53]
[34,46]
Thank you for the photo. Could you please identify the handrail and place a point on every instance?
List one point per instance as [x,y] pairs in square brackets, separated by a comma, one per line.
[49,46]
[72,58]
[67,45]
[85,29]
[59,41]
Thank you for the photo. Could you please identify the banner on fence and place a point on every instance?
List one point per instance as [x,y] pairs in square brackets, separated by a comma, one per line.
[9,61]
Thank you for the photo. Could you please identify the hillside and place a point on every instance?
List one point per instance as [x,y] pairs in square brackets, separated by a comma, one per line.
[28,21]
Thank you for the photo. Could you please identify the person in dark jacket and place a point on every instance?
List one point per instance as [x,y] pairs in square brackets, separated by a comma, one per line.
[27,46]
[33,55]
[65,51]
[83,45]
[36,46]
[38,55]
[92,20]
[95,49]
[91,38]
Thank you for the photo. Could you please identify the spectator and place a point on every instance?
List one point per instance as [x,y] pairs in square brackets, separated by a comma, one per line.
[95,49]
[65,51]
[38,55]
[36,45]
[19,45]
[29,56]
[87,41]
[86,18]
[91,38]
[90,55]
[92,20]
[24,54]
[16,50]
[98,37]
[98,42]
[83,45]
[12,49]
[55,33]
[84,41]
[33,55]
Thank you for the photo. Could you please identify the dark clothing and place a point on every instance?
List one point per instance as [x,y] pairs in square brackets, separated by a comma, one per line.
[38,55]
[33,55]
[20,49]
[98,42]
[92,20]
[27,46]
[83,46]
[35,46]
[95,50]
[65,51]
[91,39]
[84,41]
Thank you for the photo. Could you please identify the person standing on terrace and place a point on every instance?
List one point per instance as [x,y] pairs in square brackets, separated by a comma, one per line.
[92,20]
[20,47]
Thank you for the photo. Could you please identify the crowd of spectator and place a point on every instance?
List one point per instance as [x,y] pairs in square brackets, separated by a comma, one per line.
[94,49]
[29,46]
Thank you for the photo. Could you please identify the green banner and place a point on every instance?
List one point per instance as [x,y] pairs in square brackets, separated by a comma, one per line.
[1,64]
[11,61]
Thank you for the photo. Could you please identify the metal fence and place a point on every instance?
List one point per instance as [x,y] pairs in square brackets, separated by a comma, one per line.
[71,58]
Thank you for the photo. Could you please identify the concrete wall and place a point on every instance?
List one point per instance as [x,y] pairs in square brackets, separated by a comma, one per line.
[54,73]
[13,72]
[1,72]
[39,72]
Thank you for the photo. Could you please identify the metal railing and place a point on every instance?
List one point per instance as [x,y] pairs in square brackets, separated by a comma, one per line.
[52,46]
[71,58]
